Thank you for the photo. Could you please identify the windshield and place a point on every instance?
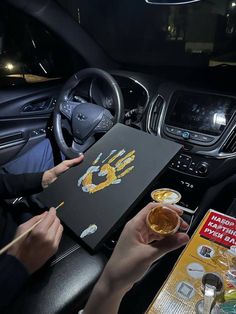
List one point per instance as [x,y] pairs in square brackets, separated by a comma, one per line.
[135,32]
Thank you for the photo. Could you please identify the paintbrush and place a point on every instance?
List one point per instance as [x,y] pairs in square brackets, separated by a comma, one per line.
[5,248]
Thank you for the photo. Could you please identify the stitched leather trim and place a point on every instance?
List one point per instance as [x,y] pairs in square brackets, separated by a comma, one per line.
[65,254]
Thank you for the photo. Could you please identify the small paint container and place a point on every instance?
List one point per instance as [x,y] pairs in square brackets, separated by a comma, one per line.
[166,196]
[163,221]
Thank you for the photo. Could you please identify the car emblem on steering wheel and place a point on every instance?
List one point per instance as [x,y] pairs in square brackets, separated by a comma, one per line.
[81,117]
[113,173]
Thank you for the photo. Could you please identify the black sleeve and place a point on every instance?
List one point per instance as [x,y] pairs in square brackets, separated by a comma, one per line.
[20,185]
[13,275]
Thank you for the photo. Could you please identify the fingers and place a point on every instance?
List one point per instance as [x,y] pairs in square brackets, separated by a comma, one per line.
[51,175]
[140,219]
[49,230]
[55,233]
[73,162]
[58,236]
[41,243]
[139,223]
[52,230]
[160,248]
[47,220]
[29,223]
[66,164]
[171,243]
[183,224]
[143,212]
[176,209]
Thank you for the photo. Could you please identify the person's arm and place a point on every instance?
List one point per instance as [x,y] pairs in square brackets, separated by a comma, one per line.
[31,252]
[13,276]
[30,183]
[134,253]
[20,185]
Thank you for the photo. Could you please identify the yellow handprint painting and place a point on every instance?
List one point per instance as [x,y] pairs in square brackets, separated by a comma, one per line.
[113,168]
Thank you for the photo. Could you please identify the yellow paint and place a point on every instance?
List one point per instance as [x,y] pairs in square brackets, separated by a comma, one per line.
[124,173]
[114,157]
[112,173]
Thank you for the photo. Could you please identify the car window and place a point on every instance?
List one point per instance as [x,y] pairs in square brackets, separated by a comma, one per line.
[30,53]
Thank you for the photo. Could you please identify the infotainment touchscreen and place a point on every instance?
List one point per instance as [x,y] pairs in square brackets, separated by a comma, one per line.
[203,113]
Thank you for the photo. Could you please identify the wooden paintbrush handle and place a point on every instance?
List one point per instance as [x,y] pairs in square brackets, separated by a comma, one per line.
[5,248]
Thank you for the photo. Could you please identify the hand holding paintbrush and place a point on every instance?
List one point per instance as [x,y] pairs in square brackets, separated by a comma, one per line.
[36,240]
[22,235]
[43,229]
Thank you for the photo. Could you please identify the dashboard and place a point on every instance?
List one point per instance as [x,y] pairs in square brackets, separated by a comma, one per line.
[204,123]
[203,120]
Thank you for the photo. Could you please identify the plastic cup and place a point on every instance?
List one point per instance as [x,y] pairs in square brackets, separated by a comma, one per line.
[163,221]
[166,196]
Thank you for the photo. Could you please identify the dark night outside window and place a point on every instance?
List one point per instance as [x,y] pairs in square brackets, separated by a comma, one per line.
[29,53]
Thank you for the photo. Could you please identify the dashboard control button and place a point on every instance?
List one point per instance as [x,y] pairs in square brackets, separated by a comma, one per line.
[186,135]
[178,132]
[190,165]
[185,158]
[195,136]
[207,139]
[171,130]
[202,167]
[184,167]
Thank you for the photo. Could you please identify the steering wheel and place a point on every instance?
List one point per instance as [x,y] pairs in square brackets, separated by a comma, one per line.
[85,119]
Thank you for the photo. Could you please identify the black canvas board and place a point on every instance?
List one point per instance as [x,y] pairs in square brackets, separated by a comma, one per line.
[108,207]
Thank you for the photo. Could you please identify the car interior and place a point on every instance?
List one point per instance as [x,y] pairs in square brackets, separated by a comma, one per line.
[163,67]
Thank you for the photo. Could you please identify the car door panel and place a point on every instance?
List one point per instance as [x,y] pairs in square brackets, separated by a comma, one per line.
[24,117]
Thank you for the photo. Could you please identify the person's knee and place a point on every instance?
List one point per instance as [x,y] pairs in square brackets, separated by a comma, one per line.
[37,159]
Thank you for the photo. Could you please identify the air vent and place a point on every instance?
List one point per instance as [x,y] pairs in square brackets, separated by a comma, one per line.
[230,145]
[155,115]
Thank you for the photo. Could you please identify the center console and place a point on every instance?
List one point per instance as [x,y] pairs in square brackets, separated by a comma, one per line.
[197,117]
[205,124]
